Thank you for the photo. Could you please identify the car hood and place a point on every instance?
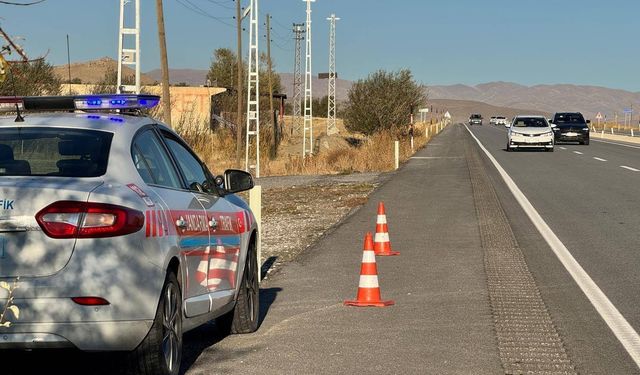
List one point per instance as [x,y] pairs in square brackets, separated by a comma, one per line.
[530,130]
[571,126]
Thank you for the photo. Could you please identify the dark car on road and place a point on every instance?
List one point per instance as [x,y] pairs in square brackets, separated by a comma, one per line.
[570,127]
[475,119]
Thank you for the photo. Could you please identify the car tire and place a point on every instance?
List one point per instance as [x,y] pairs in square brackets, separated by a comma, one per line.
[160,353]
[586,142]
[245,314]
[509,149]
[550,149]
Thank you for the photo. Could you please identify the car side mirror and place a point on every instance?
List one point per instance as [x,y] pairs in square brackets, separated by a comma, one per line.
[588,121]
[236,181]
[550,121]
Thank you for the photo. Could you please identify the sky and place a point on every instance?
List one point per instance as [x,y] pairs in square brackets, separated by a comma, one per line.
[443,42]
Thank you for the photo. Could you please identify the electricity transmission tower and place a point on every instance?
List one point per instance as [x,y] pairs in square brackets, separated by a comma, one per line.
[307,147]
[129,56]
[253,92]
[298,31]
[331,110]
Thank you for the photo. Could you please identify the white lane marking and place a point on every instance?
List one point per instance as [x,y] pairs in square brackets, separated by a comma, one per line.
[625,333]
[601,159]
[563,148]
[629,168]
[578,152]
[617,144]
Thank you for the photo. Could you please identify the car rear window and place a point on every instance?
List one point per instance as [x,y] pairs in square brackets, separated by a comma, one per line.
[53,152]
[569,118]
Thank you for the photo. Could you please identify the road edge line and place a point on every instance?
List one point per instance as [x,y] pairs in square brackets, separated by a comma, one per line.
[620,327]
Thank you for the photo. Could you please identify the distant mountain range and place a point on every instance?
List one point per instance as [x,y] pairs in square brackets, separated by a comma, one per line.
[540,98]
[546,98]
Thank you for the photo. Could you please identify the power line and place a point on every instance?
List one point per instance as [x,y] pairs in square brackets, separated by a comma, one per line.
[221,4]
[194,8]
[22,4]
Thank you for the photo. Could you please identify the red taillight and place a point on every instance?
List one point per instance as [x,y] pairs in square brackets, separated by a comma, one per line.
[70,219]
[90,301]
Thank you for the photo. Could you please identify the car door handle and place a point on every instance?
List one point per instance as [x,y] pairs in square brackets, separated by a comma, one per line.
[213,224]
[181,223]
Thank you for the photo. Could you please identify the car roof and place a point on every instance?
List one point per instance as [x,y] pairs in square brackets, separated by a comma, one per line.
[104,121]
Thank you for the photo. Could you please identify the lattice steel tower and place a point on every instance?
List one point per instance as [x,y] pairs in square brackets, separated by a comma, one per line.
[298,30]
[129,56]
[307,146]
[331,97]
[253,93]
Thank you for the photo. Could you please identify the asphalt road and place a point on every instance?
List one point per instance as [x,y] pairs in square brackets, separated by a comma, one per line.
[447,317]
[590,198]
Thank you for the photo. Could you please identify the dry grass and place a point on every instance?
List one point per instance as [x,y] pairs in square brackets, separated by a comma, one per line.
[372,154]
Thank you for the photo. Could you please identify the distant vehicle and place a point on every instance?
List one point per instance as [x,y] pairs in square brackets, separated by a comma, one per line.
[530,132]
[475,119]
[501,120]
[570,127]
[492,121]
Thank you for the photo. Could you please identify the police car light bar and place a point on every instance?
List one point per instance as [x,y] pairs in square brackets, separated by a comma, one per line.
[79,102]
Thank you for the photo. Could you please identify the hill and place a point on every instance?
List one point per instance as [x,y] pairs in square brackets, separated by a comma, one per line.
[93,71]
[546,98]
[192,77]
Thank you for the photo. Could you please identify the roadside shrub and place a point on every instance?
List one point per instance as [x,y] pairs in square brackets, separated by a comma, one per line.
[382,101]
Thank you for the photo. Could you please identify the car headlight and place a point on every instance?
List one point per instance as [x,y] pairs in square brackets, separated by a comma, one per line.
[548,133]
[585,129]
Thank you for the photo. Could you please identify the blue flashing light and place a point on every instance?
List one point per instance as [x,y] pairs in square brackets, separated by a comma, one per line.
[94,102]
[115,119]
[116,101]
[93,117]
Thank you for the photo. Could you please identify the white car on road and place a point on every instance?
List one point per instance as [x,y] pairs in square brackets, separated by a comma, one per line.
[530,132]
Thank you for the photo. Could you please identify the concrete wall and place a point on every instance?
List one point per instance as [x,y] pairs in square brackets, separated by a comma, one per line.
[190,106]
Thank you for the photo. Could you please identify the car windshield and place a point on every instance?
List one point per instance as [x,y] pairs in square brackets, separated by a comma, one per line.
[529,122]
[53,152]
[500,118]
[569,118]
[475,116]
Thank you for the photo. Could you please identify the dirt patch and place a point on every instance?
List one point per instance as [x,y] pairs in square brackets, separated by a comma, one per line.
[294,217]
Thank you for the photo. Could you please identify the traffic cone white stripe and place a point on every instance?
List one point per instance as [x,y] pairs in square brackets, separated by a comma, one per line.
[381,237]
[382,219]
[368,281]
[368,256]
[217,263]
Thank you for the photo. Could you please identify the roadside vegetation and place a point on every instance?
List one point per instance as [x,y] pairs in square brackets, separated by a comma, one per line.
[29,79]
[376,115]
[9,310]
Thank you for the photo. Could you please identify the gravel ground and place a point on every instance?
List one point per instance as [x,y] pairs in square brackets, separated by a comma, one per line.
[298,210]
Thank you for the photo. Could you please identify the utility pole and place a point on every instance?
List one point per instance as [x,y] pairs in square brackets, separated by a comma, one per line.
[14,46]
[331,97]
[130,56]
[253,92]
[298,31]
[276,133]
[166,92]
[239,87]
[307,147]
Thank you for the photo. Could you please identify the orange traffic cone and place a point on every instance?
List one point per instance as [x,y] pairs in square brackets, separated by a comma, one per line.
[368,288]
[382,245]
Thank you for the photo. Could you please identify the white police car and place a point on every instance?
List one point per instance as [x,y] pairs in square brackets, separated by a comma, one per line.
[120,237]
